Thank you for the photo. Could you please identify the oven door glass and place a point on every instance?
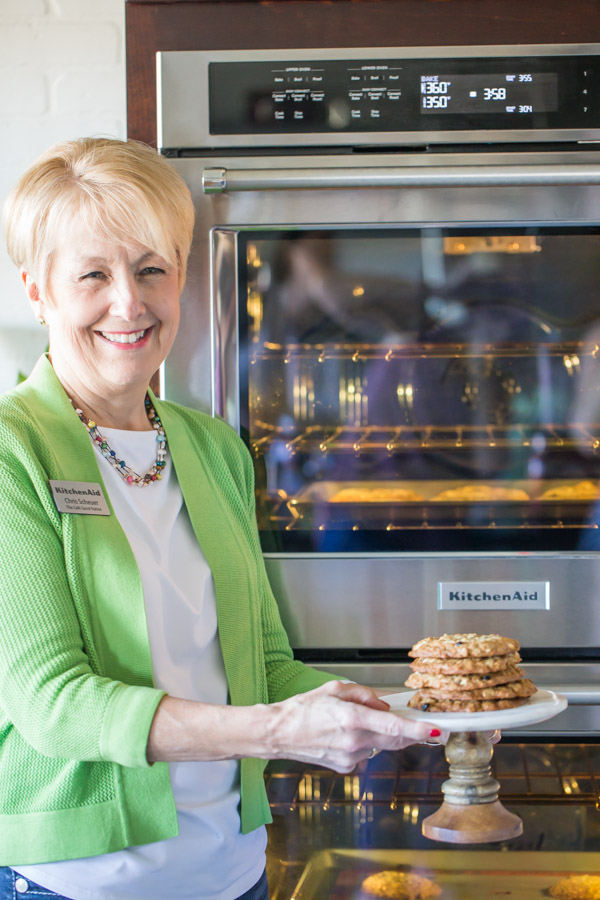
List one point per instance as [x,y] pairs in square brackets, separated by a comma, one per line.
[426,389]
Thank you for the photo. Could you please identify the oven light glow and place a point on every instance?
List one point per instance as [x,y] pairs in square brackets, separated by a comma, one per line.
[571,786]
[491,243]
[358,291]
[353,400]
[571,362]
[405,395]
[255,309]
[253,256]
[410,812]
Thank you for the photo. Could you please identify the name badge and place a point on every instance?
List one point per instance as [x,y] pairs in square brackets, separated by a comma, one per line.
[82,497]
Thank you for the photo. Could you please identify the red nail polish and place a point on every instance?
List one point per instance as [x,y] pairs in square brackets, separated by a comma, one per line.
[435,732]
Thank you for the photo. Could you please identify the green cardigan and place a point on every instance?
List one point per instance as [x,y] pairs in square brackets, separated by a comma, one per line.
[76,690]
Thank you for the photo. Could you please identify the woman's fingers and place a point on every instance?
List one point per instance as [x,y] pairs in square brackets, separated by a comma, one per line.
[357,693]
[337,725]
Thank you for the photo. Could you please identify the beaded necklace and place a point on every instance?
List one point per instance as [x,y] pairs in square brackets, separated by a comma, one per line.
[130,476]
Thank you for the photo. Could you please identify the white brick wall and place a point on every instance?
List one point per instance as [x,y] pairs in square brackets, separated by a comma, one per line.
[62,75]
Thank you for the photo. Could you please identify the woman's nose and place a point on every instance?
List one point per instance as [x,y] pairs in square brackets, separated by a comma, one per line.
[126,301]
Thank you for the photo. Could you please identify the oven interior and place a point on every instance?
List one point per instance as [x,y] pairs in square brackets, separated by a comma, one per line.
[404,387]
[331,830]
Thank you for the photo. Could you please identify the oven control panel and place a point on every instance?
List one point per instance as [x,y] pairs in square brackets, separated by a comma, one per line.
[437,95]
[398,94]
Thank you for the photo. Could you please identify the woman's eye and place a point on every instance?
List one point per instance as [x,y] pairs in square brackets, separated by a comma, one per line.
[93,275]
[152,270]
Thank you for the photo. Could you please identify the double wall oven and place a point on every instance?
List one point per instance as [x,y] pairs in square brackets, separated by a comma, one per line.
[394,296]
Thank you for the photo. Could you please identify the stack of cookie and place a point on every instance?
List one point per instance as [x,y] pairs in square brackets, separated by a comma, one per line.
[467,673]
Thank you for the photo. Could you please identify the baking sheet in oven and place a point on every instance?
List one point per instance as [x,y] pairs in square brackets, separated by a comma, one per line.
[314,501]
[462,874]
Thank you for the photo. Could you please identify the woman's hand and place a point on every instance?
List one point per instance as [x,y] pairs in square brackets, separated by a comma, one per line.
[336,725]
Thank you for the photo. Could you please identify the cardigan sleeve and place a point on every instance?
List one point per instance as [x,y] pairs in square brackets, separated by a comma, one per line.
[48,688]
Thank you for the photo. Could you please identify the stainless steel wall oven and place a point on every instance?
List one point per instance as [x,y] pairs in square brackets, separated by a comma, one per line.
[394,296]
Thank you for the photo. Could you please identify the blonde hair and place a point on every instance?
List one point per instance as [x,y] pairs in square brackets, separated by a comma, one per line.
[124,191]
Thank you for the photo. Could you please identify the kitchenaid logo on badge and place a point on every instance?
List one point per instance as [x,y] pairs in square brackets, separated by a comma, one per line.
[529,595]
[79,497]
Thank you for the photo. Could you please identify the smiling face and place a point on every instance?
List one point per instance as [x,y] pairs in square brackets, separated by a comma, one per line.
[112,313]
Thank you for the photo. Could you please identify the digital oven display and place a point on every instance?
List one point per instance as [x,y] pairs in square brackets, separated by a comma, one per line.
[516,93]
[325,96]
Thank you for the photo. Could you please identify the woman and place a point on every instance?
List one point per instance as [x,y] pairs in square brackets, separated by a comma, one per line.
[145,676]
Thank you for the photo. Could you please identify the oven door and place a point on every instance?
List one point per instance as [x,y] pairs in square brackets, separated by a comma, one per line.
[410,347]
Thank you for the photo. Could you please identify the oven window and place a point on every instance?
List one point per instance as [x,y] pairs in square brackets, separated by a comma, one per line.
[423,389]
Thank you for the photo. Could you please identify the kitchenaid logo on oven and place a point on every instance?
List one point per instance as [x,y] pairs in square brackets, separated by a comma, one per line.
[494,595]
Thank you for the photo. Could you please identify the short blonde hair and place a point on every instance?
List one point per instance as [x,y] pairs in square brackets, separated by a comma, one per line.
[123,190]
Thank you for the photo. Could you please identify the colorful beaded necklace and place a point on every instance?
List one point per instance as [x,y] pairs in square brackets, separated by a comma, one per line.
[130,476]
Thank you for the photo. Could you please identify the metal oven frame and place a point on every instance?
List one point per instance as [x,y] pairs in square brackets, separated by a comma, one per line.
[358,613]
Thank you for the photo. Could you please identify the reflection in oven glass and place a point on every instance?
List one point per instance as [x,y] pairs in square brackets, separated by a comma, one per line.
[331,831]
[400,366]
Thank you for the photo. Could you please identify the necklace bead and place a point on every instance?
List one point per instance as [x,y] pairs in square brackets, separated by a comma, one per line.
[127,473]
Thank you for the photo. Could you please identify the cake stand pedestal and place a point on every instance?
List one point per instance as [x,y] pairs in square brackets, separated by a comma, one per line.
[471,812]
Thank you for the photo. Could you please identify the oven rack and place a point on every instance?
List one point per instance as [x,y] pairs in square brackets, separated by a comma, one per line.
[546,774]
[389,438]
[570,351]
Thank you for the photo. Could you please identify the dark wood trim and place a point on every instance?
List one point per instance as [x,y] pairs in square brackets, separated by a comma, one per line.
[153,25]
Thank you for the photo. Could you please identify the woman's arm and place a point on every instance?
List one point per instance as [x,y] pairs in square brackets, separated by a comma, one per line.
[335,725]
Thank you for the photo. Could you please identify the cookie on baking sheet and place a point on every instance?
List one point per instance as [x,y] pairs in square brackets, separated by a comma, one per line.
[583,490]
[521,688]
[477,665]
[432,680]
[475,492]
[376,495]
[424,701]
[461,645]
[577,887]
[395,885]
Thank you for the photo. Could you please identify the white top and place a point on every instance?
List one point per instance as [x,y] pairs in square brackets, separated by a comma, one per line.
[210,859]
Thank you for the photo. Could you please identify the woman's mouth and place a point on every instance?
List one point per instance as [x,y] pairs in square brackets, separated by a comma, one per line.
[125,337]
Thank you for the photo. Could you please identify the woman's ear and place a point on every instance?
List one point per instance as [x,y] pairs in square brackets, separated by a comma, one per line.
[35,300]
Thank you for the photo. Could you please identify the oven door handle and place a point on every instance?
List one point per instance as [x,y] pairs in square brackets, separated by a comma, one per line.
[218,181]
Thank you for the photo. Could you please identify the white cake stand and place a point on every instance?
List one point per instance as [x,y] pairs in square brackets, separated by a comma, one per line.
[471,812]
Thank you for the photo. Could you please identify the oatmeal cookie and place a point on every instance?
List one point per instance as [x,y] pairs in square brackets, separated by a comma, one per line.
[376,495]
[478,665]
[521,688]
[461,645]
[462,682]
[400,886]
[577,887]
[583,490]
[476,492]
[426,703]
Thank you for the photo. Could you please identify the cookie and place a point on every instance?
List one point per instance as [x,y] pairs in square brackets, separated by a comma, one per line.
[467,666]
[462,682]
[521,688]
[577,887]
[376,495]
[461,645]
[400,886]
[426,703]
[472,493]
[583,490]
